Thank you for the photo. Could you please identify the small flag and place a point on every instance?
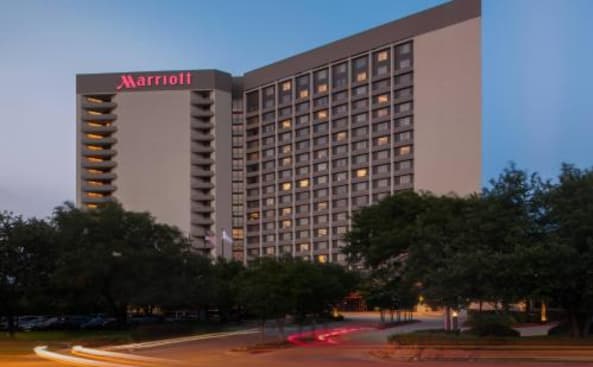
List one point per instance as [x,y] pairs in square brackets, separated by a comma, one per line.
[226,238]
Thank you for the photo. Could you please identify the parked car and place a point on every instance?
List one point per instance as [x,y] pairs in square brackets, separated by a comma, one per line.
[99,322]
[28,323]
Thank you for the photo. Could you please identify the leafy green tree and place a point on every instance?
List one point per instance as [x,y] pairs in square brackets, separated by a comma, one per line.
[565,261]
[27,259]
[118,258]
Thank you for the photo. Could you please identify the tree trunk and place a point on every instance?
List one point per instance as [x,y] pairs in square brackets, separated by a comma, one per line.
[447,319]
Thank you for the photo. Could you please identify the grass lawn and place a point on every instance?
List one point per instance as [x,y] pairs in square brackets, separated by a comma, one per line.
[24,342]
[440,337]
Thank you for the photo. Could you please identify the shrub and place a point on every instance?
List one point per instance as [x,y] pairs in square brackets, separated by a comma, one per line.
[491,324]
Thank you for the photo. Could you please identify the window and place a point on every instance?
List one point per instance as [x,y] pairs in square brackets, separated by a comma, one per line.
[320,154]
[360,132]
[340,176]
[360,186]
[303,221]
[320,219]
[403,79]
[302,209]
[383,154]
[403,136]
[359,159]
[382,126]
[285,149]
[320,180]
[361,76]
[322,140]
[341,136]
[267,190]
[403,165]
[340,123]
[363,172]
[343,216]
[322,205]
[360,201]
[404,180]
[286,86]
[284,174]
[340,203]
[303,246]
[382,56]
[403,122]
[340,96]
[382,98]
[286,186]
[302,158]
[321,115]
[268,153]
[321,193]
[343,108]
[320,167]
[286,161]
[382,140]
[284,136]
[300,171]
[360,104]
[303,107]
[360,145]
[285,211]
[383,168]
[303,195]
[301,133]
[406,149]
[320,128]
[381,183]
[340,163]
[360,118]
[360,91]
[321,232]
[287,223]
[303,183]
[403,93]
[286,124]
[381,112]
[303,120]
[341,190]
[253,216]
[301,145]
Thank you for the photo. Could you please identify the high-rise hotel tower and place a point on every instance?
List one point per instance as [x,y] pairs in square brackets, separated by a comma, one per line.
[280,158]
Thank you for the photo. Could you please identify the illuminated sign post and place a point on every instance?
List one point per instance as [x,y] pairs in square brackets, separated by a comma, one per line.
[129,81]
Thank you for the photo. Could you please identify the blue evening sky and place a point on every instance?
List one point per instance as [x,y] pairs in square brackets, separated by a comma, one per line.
[537,56]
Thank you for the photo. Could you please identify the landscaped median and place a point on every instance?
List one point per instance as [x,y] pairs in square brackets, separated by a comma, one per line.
[463,347]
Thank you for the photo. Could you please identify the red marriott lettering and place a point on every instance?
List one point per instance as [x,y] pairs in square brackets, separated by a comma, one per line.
[129,81]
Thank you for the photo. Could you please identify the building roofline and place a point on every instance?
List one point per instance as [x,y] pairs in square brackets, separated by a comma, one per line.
[441,16]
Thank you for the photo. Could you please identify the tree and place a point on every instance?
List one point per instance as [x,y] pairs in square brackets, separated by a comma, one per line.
[117,258]
[26,264]
[567,208]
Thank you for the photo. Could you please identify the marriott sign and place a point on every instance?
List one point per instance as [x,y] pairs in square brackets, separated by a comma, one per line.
[129,81]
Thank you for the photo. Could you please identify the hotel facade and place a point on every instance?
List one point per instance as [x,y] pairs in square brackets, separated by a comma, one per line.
[281,157]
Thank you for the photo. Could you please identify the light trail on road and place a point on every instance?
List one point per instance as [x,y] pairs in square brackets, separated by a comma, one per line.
[323,336]
[42,352]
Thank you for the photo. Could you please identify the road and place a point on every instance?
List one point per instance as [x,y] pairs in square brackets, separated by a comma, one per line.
[353,348]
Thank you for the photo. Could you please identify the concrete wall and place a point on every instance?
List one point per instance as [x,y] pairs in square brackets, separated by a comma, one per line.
[448,114]
[153,159]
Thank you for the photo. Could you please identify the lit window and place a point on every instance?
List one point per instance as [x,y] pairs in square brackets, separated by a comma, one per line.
[92,159]
[322,205]
[322,114]
[286,223]
[286,161]
[94,195]
[363,172]
[361,77]
[94,183]
[321,232]
[238,233]
[285,211]
[286,86]
[286,124]
[341,136]
[303,183]
[91,206]
[404,150]
[382,56]
[304,93]
[253,216]
[304,247]
[383,98]
[322,259]
[94,113]
[94,136]
[322,88]
[94,100]
[93,147]
[382,140]
[286,186]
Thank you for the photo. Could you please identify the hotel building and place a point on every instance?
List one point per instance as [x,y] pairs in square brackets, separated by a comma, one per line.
[281,157]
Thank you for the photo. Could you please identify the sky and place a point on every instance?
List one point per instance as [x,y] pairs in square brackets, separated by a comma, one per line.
[537,56]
